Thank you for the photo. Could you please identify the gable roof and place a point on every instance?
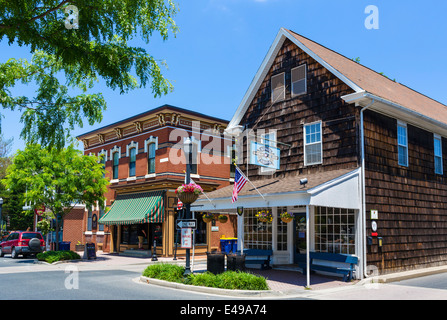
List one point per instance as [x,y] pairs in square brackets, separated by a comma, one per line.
[364,81]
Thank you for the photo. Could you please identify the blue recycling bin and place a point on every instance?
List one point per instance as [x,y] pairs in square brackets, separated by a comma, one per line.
[234,245]
[228,245]
[225,245]
[64,246]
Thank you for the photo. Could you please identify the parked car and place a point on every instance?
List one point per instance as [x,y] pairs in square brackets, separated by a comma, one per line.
[22,242]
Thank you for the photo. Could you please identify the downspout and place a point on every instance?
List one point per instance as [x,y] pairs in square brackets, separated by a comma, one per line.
[362,143]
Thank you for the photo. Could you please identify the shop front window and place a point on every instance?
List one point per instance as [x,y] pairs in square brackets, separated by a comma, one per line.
[257,235]
[334,230]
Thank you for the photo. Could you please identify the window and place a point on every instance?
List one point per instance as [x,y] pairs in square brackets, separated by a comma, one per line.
[281,233]
[233,162]
[313,146]
[257,235]
[194,155]
[278,87]
[402,143]
[101,214]
[116,159]
[151,158]
[89,220]
[103,161]
[334,230]
[133,159]
[299,81]
[438,154]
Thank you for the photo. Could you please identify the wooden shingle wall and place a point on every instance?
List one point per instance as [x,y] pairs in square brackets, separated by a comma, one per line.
[412,201]
[321,103]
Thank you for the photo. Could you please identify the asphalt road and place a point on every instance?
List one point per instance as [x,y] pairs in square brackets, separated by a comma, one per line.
[22,279]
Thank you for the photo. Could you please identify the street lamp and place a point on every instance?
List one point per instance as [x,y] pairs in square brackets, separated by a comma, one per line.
[188,156]
[1,216]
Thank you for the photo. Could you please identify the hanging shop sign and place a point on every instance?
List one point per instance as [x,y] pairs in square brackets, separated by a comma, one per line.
[264,155]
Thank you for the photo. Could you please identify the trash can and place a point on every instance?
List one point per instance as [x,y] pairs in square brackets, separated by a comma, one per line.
[64,246]
[215,262]
[234,245]
[225,245]
[236,262]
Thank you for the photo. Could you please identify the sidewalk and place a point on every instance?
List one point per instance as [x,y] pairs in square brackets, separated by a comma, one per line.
[282,283]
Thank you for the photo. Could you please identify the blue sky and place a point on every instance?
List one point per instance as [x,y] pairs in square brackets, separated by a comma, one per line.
[221,44]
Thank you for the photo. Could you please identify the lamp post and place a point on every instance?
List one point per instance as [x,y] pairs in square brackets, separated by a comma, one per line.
[188,156]
[1,217]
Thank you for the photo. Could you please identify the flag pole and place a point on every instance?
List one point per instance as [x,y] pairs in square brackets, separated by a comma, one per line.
[251,183]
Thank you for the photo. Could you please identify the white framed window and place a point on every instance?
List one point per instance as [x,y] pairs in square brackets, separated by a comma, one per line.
[278,83]
[299,80]
[402,143]
[438,153]
[313,144]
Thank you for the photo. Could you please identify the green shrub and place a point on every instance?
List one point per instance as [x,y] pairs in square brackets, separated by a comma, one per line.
[235,280]
[53,256]
[165,271]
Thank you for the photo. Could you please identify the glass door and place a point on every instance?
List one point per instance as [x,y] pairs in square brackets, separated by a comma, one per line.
[299,238]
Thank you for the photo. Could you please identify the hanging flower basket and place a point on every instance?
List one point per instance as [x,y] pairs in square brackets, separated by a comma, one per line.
[208,217]
[188,193]
[286,217]
[223,218]
[264,216]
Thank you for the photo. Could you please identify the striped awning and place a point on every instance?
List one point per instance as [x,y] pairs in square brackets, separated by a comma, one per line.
[136,208]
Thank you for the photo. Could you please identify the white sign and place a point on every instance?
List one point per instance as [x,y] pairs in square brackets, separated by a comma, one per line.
[186,241]
[374,214]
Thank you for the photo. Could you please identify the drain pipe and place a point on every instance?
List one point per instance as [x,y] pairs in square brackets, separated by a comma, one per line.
[362,143]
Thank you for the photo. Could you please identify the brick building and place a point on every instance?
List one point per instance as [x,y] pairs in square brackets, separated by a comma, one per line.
[143,158]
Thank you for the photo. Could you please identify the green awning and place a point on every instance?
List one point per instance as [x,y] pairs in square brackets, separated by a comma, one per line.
[136,208]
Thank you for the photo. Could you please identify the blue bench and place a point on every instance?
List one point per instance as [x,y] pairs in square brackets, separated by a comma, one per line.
[258,256]
[346,270]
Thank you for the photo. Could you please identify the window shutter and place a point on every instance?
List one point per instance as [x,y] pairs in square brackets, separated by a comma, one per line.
[299,81]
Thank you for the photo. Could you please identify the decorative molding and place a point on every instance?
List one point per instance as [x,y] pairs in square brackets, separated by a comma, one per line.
[118,132]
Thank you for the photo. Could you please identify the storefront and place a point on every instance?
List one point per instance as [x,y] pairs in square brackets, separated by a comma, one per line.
[325,210]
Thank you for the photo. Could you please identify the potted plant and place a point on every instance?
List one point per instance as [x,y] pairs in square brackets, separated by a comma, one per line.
[207,217]
[264,216]
[188,193]
[222,218]
[286,217]
[79,246]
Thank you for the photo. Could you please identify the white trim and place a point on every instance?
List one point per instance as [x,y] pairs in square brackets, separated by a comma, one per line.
[113,150]
[150,140]
[104,152]
[281,36]
[131,145]
[313,143]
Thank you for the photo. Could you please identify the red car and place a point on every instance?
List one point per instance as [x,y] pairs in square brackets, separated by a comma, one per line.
[22,242]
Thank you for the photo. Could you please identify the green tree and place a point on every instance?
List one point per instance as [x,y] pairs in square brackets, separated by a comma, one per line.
[95,46]
[57,179]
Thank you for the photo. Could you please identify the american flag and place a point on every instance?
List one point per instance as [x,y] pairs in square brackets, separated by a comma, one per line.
[239,182]
[179,205]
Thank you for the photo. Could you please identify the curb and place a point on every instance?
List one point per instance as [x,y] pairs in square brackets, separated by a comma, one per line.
[217,291]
